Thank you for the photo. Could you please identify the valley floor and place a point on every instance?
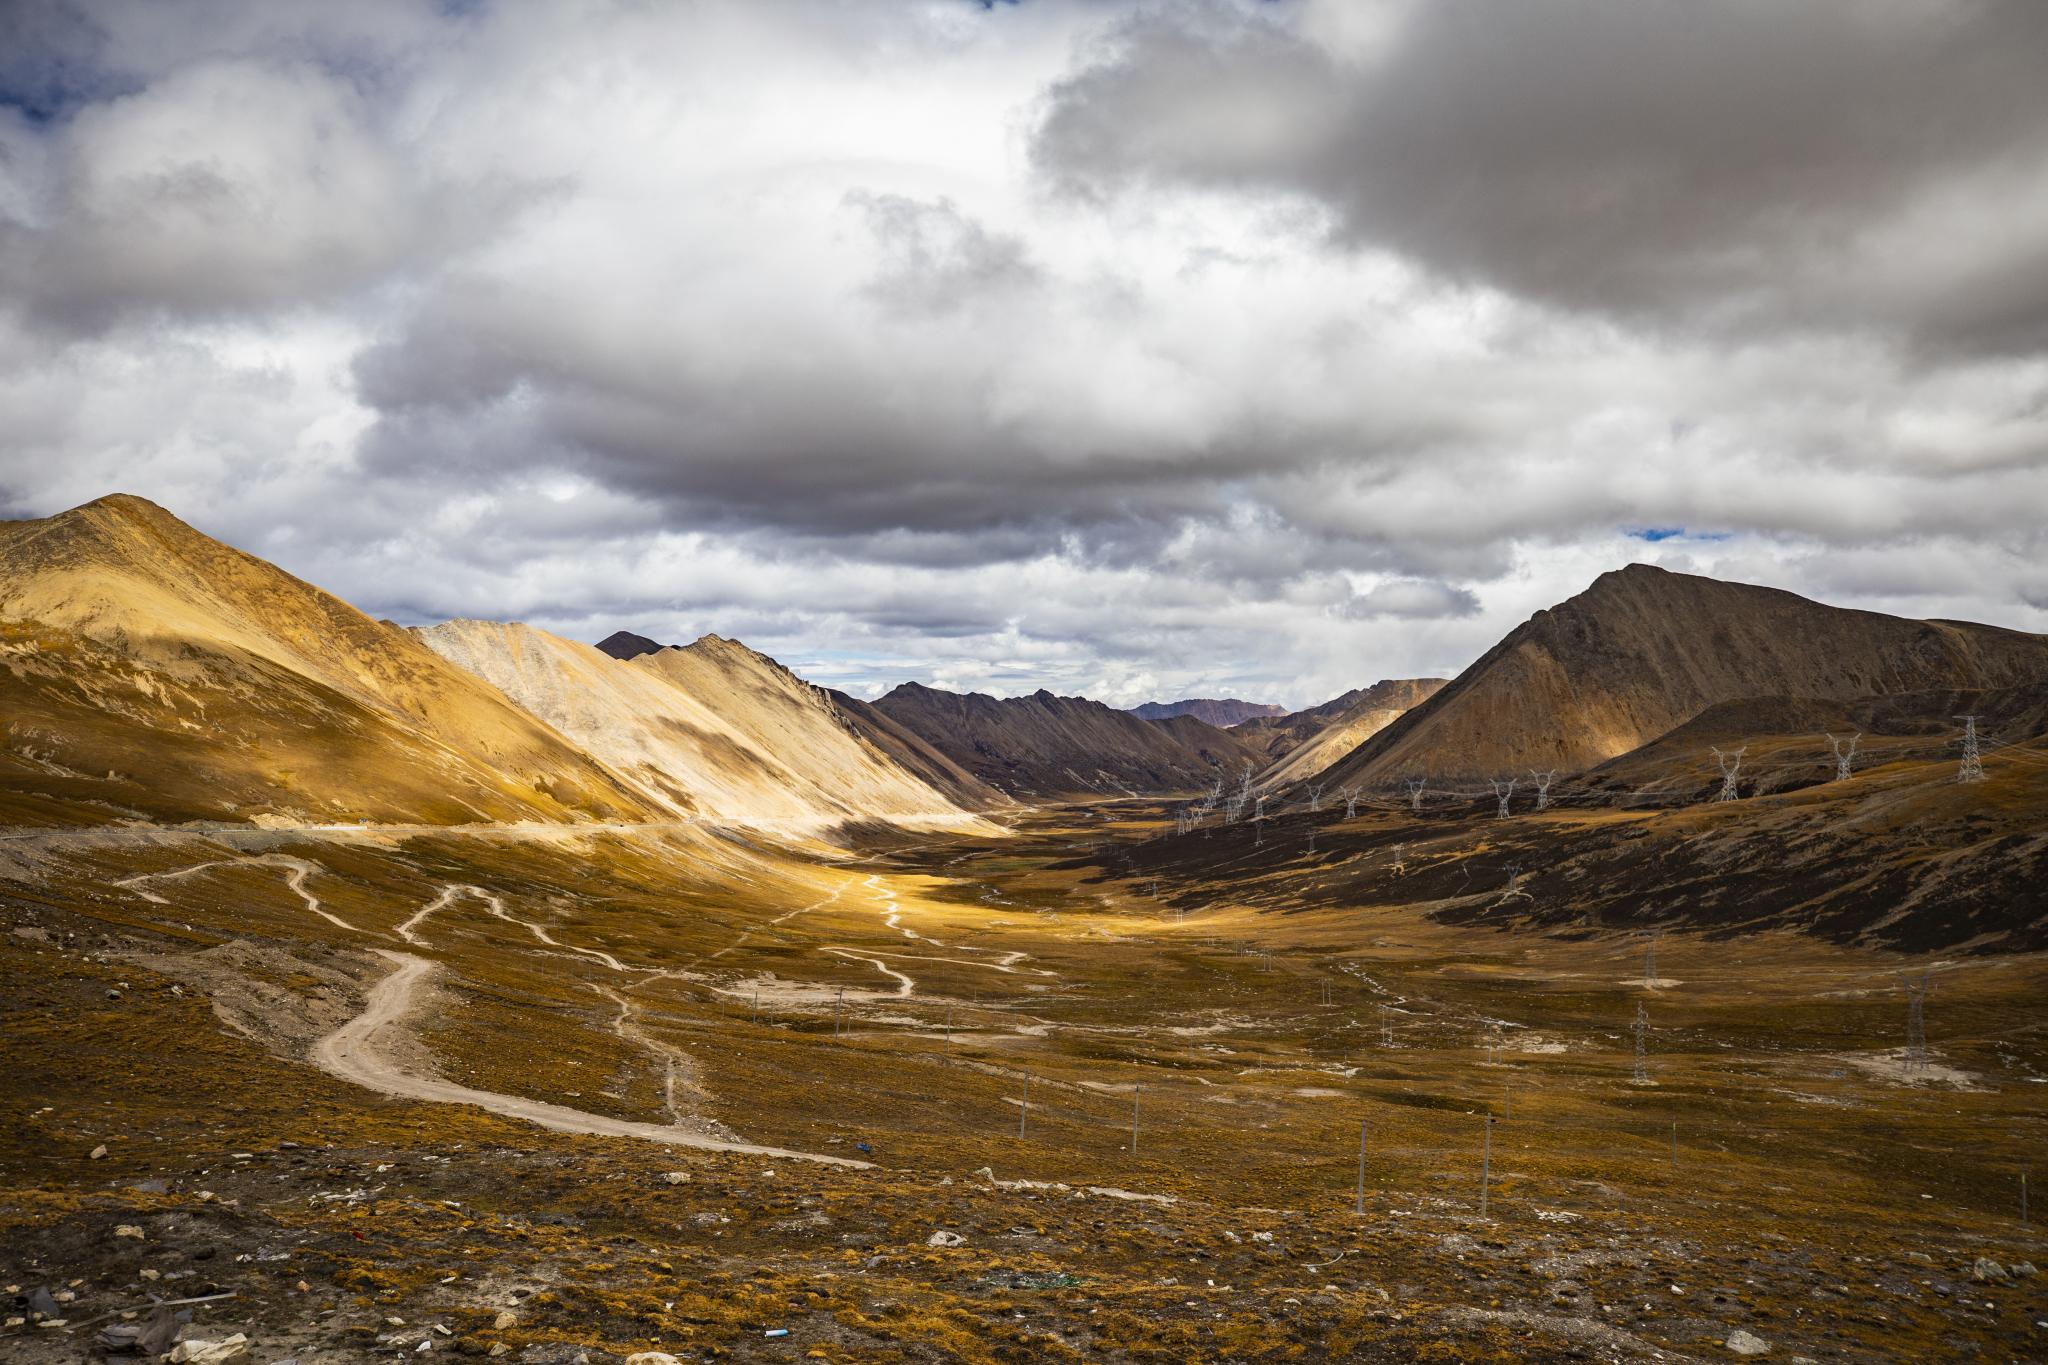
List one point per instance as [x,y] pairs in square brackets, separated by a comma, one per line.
[884,1101]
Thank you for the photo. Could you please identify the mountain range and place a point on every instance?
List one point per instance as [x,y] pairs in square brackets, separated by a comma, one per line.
[154,674]
[1222,713]
[1046,747]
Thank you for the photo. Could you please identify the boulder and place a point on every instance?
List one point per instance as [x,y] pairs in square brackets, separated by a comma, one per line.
[1747,1343]
[1987,1271]
[233,1351]
[942,1238]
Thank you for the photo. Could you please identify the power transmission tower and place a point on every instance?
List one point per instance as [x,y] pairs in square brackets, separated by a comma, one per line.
[1641,1028]
[1843,757]
[1315,797]
[1515,885]
[1415,786]
[1386,1026]
[1731,764]
[1973,765]
[1543,781]
[1503,793]
[1311,843]
[1399,866]
[1916,1022]
[1650,959]
[1350,797]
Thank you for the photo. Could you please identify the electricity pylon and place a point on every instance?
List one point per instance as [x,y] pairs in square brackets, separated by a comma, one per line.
[1503,793]
[1843,758]
[1731,764]
[1916,1020]
[1973,765]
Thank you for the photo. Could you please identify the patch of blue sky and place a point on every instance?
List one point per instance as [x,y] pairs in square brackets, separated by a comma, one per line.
[1657,533]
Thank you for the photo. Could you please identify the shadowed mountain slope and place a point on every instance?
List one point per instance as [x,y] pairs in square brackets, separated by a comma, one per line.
[1643,650]
[1046,746]
[714,729]
[914,755]
[1783,742]
[1223,714]
[154,672]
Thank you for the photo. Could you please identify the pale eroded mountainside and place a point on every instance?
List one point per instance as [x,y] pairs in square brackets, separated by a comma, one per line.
[1318,741]
[153,672]
[1643,650]
[714,729]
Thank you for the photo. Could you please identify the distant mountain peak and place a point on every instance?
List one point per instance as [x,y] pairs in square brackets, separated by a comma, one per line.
[1221,713]
[624,644]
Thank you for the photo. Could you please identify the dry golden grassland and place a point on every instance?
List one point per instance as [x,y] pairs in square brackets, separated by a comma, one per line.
[886,1003]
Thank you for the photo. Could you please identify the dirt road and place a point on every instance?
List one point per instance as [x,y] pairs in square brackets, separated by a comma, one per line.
[352,1053]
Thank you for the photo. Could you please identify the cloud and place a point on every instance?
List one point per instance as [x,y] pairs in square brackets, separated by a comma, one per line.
[1208,349]
[1411,600]
[1834,163]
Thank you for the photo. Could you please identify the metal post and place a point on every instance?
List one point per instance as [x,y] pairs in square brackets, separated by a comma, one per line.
[1025,1109]
[1361,1170]
[1135,1092]
[837,1006]
[1486,1167]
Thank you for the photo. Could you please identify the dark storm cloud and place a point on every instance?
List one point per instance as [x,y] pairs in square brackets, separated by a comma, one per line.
[1835,162]
[52,59]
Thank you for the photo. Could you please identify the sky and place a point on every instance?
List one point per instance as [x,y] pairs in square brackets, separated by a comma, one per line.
[1132,350]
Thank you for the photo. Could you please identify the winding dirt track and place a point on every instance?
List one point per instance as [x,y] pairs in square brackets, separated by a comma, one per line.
[351,1053]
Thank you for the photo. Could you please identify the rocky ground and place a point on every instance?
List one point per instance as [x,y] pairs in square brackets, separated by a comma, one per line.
[169,1143]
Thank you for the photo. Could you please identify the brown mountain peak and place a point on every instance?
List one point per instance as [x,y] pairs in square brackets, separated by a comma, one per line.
[1643,649]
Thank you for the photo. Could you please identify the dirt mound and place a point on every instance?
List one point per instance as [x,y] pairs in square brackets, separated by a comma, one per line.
[1644,650]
